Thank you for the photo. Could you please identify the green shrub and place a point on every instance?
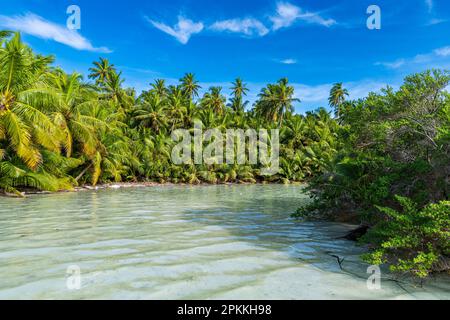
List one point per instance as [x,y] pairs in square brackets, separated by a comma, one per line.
[413,240]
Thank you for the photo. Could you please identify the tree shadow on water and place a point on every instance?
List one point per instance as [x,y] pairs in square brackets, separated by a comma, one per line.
[261,216]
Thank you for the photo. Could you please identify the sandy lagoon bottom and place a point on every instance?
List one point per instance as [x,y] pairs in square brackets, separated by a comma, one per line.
[180,242]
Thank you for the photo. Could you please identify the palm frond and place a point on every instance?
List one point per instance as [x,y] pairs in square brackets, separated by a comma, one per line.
[97,161]
[20,140]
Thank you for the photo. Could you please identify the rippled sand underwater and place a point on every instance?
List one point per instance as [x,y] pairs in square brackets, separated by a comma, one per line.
[181,242]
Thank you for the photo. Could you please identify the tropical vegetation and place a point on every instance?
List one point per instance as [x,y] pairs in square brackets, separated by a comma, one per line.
[392,173]
[383,161]
[58,131]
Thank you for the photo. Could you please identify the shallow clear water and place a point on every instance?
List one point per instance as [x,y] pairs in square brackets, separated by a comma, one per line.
[209,242]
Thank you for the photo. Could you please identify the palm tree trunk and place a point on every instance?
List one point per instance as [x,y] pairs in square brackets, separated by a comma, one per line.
[83,172]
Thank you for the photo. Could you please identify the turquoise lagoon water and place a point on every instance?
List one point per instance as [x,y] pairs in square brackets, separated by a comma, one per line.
[181,242]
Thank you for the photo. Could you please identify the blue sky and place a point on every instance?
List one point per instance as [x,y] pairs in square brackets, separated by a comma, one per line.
[314,43]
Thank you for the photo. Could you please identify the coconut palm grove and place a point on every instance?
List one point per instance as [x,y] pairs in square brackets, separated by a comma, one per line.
[382,161]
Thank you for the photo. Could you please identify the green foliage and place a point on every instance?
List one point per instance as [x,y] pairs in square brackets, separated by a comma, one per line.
[412,240]
[392,143]
[58,131]
[275,101]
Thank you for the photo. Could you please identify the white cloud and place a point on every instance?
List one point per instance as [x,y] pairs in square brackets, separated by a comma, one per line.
[392,65]
[37,26]
[248,26]
[432,59]
[315,96]
[288,61]
[312,94]
[436,21]
[288,14]
[361,89]
[182,31]
[429,4]
[443,52]
[433,19]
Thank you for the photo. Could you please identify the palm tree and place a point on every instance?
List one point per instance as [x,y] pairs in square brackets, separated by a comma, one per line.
[56,129]
[190,86]
[93,126]
[151,114]
[30,142]
[337,97]
[239,90]
[176,105]
[116,94]
[4,35]
[191,112]
[23,122]
[276,100]
[293,132]
[72,112]
[114,158]
[214,100]
[159,88]
[101,71]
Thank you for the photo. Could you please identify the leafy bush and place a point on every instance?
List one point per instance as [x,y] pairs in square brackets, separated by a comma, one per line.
[413,240]
[396,142]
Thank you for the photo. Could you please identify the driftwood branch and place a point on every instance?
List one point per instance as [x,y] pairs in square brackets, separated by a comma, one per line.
[339,260]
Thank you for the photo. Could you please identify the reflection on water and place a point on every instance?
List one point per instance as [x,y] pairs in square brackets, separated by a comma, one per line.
[209,242]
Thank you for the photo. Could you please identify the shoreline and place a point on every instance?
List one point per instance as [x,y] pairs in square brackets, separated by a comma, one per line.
[129,185]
